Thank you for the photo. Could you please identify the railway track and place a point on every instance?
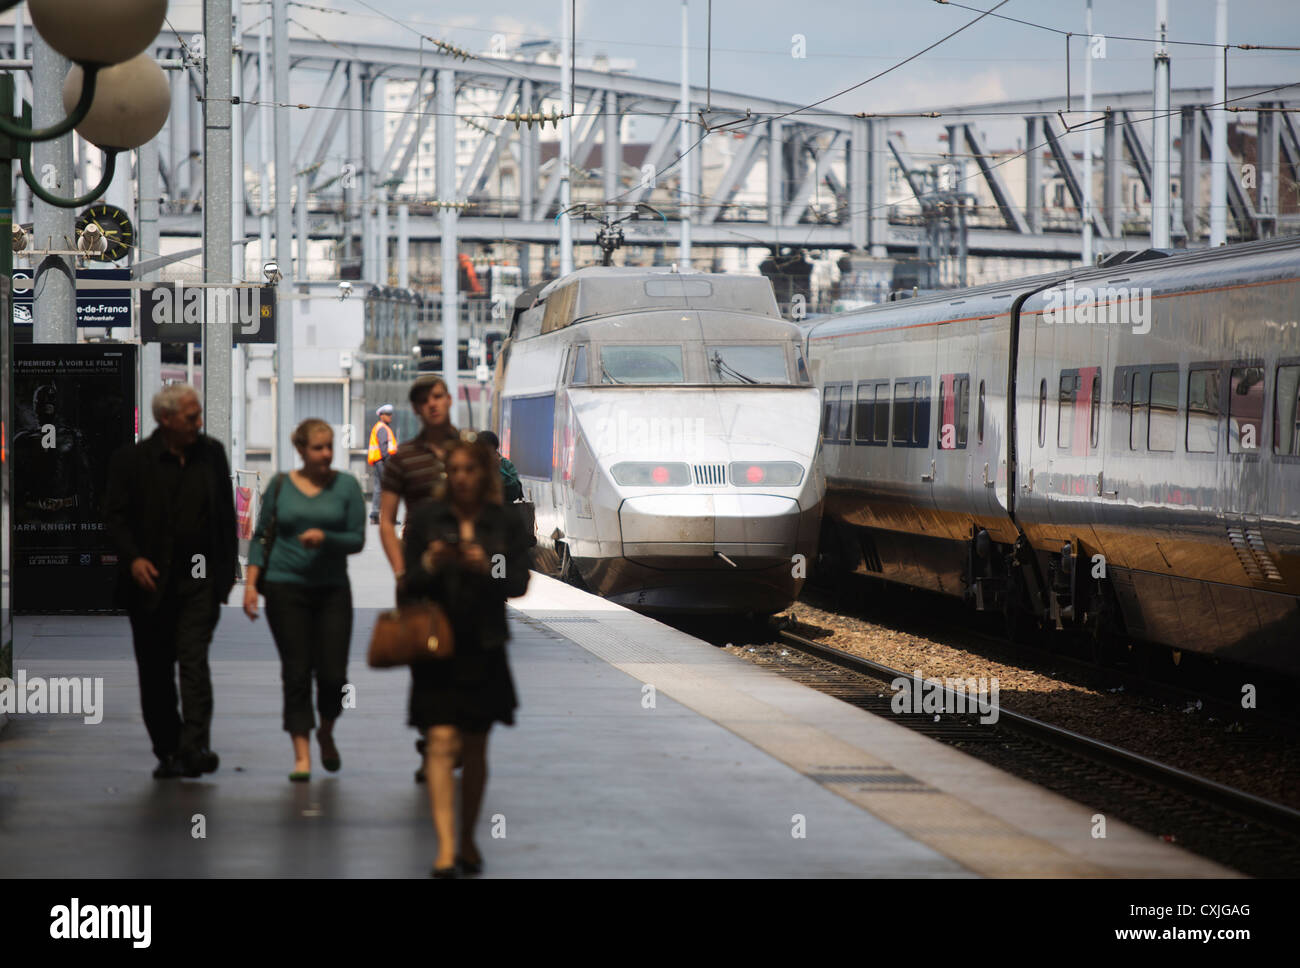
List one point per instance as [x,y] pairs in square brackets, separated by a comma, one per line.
[1178,679]
[1236,828]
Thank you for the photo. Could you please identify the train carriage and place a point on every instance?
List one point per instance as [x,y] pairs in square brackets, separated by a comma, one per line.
[1109,447]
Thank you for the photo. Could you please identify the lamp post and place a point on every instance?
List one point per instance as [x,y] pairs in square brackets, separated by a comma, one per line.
[110,98]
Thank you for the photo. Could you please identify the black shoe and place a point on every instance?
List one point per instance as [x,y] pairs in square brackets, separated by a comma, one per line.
[197,762]
[374,519]
[419,775]
[469,868]
[443,873]
[168,768]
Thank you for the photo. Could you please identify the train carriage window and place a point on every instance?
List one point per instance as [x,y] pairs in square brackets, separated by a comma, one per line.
[1069,388]
[980,430]
[880,432]
[801,366]
[921,425]
[864,418]
[641,364]
[1042,412]
[1094,413]
[746,364]
[830,398]
[1137,428]
[963,409]
[1286,412]
[953,410]
[904,411]
[579,366]
[945,442]
[1246,410]
[1202,411]
[1162,411]
[846,413]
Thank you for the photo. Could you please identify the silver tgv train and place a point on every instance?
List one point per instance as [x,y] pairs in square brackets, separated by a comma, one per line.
[1115,448]
[665,428]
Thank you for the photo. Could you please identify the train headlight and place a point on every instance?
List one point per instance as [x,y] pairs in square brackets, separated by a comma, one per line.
[779,473]
[650,474]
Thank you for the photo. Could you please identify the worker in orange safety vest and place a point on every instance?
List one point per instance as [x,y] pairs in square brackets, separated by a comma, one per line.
[382,443]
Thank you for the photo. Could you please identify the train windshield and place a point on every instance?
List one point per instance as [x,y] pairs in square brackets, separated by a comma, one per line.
[747,364]
[641,364]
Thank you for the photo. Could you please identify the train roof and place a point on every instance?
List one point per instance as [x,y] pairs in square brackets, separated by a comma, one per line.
[1181,269]
[598,291]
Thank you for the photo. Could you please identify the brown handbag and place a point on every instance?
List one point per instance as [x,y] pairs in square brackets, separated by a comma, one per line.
[411,633]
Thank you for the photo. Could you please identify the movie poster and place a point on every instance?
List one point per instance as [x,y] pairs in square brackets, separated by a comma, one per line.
[73,406]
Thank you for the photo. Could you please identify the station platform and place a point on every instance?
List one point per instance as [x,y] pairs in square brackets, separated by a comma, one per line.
[638,751]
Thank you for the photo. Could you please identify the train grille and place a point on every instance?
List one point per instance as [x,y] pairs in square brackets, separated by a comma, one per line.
[710,474]
[1253,554]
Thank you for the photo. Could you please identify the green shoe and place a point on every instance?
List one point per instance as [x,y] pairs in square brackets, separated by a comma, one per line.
[300,776]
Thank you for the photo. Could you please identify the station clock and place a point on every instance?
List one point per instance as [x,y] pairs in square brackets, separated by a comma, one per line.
[116,225]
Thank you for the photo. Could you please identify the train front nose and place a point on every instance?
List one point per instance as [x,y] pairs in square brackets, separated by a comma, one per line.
[752,530]
[709,553]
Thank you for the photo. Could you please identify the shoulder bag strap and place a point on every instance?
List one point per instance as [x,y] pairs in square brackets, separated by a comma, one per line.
[268,537]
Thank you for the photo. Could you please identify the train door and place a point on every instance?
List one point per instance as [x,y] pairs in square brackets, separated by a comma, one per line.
[986,480]
[1035,415]
[562,439]
[1084,356]
[952,437]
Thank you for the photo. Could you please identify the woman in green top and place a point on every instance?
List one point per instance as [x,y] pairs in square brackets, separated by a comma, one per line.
[320,519]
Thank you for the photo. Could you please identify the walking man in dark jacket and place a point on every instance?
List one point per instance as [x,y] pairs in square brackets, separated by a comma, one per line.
[170,512]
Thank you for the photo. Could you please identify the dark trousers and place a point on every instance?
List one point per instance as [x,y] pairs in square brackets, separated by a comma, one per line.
[179,631]
[312,626]
[377,475]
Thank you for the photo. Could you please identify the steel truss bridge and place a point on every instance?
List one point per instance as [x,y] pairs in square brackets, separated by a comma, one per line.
[349,171]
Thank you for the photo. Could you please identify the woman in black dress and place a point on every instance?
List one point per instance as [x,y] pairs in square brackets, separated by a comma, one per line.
[468,554]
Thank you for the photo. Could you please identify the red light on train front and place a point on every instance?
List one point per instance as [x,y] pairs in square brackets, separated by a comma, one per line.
[660,475]
[754,474]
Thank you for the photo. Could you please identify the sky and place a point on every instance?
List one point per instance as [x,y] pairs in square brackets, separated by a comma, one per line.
[845,42]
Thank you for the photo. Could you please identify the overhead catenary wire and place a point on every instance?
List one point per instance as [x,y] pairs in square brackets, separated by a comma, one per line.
[811,109]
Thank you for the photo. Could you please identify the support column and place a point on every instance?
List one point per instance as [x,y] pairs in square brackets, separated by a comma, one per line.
[445,160]
[367,182]
[1267,176]
[147,202]
[300,210]
[381,238]
[860,190]
[217,317]
[54,311]
[1190,170]
[775,174]
[264,143]
[283,241]
[527,157]
[1160,210]
[22,196]
[195,137]
[404,246]
[238,206]
[612,150]
[878,197]
[178,138]
[1033,175]
[1112,179]
[1219,132]
[566,145]
[351,197]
